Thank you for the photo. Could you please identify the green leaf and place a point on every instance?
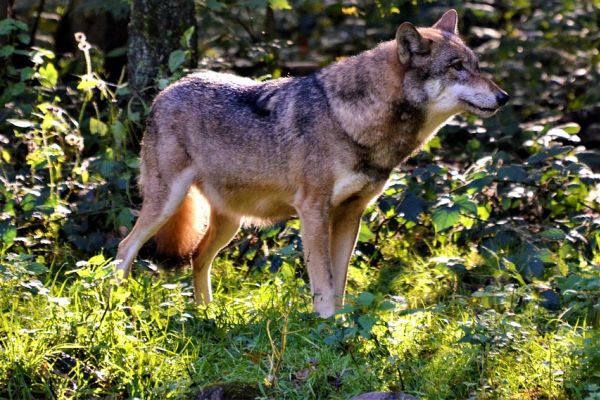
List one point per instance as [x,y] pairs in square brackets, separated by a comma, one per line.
[483,212]
[163,83]
[365,234]
[411,207]
[48,76]
[98,127]
[29,201]
[476,339]
[8,25]
[20,25]
[117,52]
[366,322]
[36,268]
[125,218]
[280,5]
[6,51]
[186,38]
[348,308]
[465,205]
[23,38]
[589,158]
[553,234]
[16,89]
[444,218]
[176,59]
[387,306]
[473,145]
[514,272]
[88,84]
[5,155]
[27,73]
[97,260]
[9,234]
[477,185]
[545,154]
[558,150]
[365,299]
[546,256]
[571,128]
[514,173]
[119,132]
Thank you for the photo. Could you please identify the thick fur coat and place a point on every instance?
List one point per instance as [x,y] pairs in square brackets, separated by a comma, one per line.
[220,150]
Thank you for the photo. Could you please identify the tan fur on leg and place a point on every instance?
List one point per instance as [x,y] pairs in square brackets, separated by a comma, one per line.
[314,218]
[221,230]
[344,231]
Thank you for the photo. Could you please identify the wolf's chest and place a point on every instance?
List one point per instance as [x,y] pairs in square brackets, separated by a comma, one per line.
[352,184]
[432,124]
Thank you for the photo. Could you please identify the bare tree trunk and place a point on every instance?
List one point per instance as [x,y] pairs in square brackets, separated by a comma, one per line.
[8,9]
[154,32]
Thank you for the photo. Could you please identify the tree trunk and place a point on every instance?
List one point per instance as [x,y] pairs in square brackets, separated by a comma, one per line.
[155,31]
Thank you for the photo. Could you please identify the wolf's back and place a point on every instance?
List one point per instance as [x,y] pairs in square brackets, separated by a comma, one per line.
[232,131]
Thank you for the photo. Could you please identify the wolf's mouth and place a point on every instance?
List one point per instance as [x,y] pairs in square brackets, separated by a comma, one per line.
[484,109]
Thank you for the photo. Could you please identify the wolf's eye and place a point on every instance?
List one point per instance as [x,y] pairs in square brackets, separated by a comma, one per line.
[458,65]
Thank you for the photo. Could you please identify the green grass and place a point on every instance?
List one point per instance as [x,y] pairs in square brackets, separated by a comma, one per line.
[62,335]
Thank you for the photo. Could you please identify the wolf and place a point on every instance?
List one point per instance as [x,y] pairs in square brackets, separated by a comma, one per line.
[220,150]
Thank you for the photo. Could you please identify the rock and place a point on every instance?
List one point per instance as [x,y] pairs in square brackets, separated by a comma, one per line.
[229,391]
[384,396]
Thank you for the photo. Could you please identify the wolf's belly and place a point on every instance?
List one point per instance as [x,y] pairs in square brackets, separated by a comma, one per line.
[257,202]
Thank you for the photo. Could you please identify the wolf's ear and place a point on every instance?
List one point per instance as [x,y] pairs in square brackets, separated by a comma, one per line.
[448,22]
[409,41]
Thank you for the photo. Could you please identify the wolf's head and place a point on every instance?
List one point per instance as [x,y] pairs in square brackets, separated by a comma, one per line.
[440,66]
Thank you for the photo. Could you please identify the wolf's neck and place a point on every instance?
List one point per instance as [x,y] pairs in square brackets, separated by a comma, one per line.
[368,97]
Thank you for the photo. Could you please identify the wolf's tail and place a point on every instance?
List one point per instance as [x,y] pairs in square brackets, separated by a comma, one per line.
[181,234]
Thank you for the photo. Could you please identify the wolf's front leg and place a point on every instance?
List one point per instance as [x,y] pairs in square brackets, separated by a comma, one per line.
[345,223]
[314,217]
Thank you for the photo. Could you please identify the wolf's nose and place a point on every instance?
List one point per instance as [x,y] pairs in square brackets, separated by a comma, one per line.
[502,97]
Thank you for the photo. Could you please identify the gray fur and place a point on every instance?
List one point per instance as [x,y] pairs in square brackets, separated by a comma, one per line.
[320,146]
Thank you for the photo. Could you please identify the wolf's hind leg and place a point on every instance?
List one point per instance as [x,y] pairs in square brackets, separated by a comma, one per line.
[221,229]
[156,211]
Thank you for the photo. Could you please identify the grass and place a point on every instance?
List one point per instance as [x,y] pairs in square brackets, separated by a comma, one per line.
[62,335]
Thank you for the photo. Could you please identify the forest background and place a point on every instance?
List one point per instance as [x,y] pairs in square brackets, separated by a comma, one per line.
[477,271]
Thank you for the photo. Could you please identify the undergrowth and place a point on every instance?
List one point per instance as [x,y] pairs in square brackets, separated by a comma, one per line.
[74,337]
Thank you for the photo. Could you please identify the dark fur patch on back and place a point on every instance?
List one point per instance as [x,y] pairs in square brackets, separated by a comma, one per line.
[310,93]
[314,79]
[256,100]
